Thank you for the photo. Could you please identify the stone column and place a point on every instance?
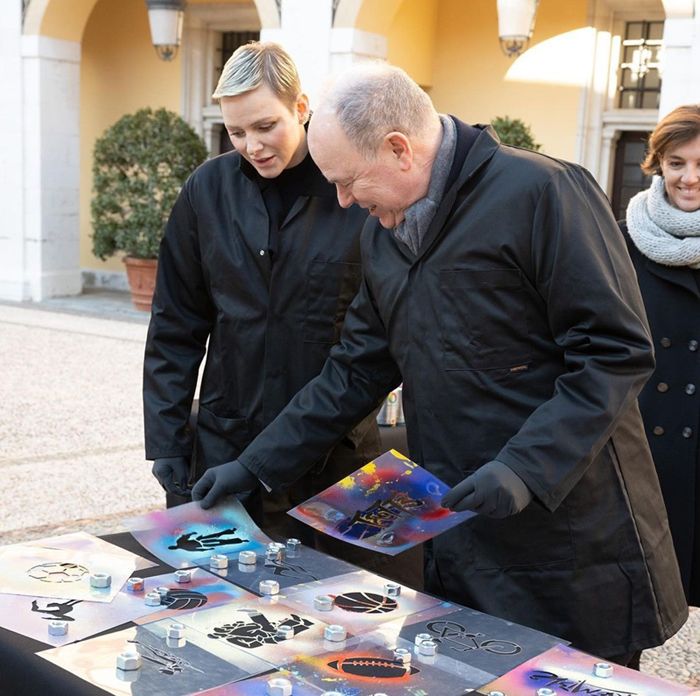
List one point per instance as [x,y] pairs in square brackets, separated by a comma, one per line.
[680,83]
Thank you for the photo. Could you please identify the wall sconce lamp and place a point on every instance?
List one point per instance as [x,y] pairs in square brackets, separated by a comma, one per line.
[165,18]
[516,20]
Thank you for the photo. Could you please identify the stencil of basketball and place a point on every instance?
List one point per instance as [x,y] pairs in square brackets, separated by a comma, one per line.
[58,572]
[184,599]
[365,603]
[372,667]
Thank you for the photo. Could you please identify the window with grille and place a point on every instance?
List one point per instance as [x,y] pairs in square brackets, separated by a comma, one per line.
[230,41]
[640,78]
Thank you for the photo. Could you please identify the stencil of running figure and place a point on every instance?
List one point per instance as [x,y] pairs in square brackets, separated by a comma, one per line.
[205,542]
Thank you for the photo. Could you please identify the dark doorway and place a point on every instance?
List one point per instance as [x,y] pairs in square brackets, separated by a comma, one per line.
[628,178]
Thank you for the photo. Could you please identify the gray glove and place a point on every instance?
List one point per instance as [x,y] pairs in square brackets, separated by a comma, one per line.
[221,480]
[494,490]
[173,474]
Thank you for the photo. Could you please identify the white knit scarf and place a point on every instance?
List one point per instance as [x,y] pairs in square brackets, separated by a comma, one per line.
[661,232]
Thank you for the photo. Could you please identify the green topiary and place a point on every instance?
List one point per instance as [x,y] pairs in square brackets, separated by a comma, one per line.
[513,131]
[140,164]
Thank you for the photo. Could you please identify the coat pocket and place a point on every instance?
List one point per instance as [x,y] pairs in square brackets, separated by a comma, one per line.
[330,288]
[483,319]
[219,440]
[535,537]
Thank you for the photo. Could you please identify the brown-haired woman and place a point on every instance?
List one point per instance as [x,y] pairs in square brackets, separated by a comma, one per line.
[663,235]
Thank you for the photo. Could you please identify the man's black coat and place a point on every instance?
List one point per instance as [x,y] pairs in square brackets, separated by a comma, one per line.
[520,335]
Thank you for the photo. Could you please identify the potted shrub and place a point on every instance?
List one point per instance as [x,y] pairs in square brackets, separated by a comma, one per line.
[139,166]
[513,131]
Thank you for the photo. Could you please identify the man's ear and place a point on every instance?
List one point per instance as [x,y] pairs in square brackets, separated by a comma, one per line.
[400,148]
[302,108]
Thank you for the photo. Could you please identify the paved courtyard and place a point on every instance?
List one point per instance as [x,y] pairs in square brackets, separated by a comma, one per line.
[71,433]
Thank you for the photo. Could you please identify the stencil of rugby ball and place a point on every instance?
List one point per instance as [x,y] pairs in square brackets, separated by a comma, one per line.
[372,667]
[365,603]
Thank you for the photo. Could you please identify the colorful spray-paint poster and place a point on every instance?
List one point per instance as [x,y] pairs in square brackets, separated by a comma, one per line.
[186,535]
[61,573]
[167,667]
[388,505]
[31,616]
[82,541]
[359,601]
[563,670]
[264,628]
[493,645]
[367,666]
[305,565]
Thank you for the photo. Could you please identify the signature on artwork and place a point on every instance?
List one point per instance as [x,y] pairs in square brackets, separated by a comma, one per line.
[456,637]
[258,630]
[57,609]
[379,516]
[206,542]
[167,662]
[574,686]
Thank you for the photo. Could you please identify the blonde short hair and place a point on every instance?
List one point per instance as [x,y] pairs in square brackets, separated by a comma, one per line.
[257,63]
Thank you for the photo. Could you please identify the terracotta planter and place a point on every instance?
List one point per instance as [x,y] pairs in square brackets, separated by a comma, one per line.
[141,274]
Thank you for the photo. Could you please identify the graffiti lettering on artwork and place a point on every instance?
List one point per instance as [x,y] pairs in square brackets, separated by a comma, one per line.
[575,686]
[380,515]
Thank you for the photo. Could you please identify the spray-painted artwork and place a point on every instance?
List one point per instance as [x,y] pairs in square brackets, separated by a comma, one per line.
[61,573]
[307,565]
[186,535]
[31,616]
[359,601]
[493,645]
[263,627]
[82,541]
[565,670]
[168,667]
[368,666]
[388,505]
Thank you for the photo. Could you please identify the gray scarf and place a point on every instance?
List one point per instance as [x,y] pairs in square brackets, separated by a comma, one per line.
[419,215]
[666,235]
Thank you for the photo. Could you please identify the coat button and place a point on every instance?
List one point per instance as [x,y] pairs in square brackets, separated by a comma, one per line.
[262,252]
[687,433]
[665,342]
[662,387]
[693,345]
[658,430]
[690,389]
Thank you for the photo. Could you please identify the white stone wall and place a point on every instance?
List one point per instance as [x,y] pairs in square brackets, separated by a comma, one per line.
[12,277]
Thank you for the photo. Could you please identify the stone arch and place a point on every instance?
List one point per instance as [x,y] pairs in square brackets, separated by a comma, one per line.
[57,19]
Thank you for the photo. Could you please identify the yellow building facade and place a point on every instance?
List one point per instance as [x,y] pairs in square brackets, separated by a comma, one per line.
[77,66]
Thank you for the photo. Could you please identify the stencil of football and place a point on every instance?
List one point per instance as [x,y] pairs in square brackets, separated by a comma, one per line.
[365,603]
[184,599]
[374,667]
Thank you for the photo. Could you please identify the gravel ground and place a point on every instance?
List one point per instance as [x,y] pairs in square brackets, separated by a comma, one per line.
[71,434]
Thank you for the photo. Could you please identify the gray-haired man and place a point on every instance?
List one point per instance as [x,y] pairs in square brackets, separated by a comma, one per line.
[504,299]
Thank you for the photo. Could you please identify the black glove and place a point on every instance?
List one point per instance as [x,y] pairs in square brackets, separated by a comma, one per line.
[173,474]
[494,490]
[218,481]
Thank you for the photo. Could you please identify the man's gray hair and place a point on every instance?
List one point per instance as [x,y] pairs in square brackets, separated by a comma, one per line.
[256,63]
[373,99]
